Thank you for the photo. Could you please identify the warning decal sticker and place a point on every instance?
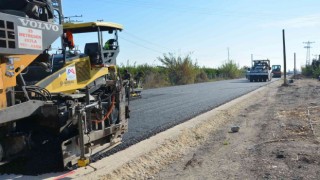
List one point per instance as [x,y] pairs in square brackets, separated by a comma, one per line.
[29,38]
[71,73]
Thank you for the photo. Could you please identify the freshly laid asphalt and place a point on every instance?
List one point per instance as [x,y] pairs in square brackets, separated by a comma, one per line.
[162,108]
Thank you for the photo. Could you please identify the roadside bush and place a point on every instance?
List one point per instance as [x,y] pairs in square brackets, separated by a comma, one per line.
[307,71]
[211,72]
[155,80]
[316,72]
[152,77]
[312,70]
[230,70]
[201,76]
[177,70]
[181,70]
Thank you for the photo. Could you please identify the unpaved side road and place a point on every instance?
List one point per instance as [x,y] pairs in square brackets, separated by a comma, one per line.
[278,139]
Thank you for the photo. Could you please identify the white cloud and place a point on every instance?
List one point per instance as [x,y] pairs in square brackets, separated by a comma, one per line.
[299,22]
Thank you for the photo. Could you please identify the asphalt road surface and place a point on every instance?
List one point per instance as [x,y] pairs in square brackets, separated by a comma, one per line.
[162,108]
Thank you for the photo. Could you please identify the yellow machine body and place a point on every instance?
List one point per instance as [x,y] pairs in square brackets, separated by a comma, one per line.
[20,62]
[76,74]
[66,106]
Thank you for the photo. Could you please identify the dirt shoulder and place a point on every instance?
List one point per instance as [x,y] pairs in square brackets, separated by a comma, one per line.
[278,139]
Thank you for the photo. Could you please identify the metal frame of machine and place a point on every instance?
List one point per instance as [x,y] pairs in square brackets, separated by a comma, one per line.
[80,109]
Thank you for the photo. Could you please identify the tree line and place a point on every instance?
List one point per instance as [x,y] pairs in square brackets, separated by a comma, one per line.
[180,70]
[312,70]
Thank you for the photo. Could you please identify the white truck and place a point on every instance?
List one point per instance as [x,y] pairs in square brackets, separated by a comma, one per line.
[260,71]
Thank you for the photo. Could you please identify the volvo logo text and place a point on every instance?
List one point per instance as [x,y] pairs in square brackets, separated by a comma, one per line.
[39,25]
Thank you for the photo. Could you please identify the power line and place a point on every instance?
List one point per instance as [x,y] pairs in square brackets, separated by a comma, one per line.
[135,36]
[141,45]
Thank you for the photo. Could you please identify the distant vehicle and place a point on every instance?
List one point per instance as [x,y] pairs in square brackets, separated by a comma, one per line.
[260,71]
[276,71]
[247,73]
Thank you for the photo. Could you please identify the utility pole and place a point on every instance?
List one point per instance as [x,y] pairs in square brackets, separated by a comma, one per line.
[308,43]
[284,58]
[251,59]
[228,54]
[69,20]
[294,68]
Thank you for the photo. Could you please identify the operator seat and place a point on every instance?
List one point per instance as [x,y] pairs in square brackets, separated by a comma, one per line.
[92,50]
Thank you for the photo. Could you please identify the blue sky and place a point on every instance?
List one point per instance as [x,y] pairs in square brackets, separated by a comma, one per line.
[206,28]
